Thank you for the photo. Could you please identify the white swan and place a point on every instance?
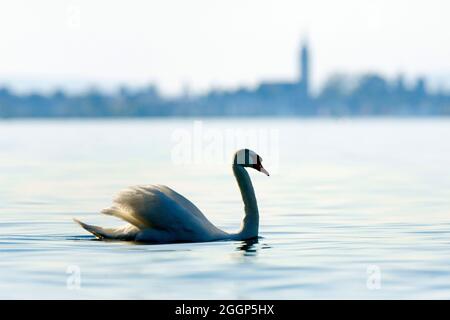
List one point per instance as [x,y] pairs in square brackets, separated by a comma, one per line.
[156,213]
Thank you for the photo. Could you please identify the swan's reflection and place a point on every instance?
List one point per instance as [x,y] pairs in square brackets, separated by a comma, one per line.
[249,247]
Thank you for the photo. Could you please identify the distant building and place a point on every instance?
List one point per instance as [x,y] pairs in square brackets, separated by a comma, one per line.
[304,69]
[288,97]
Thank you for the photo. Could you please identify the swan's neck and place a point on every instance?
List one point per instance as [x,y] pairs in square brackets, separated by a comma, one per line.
[250,224]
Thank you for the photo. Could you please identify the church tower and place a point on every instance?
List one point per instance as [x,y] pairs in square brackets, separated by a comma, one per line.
[304,68]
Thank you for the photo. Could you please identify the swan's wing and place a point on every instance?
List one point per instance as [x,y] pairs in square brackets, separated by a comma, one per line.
[182,201]
[155,206]
[127,232]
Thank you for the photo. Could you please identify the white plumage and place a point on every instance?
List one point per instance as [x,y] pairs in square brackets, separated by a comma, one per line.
[156,213]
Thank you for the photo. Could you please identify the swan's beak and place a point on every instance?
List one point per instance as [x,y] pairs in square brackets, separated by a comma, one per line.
[264,171]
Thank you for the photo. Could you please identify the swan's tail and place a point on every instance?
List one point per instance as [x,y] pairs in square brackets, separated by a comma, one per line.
[127,232]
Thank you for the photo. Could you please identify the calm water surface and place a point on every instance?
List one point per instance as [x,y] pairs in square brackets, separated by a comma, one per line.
[346,199]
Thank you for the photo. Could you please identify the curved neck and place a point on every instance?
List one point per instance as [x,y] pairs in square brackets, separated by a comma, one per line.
[250,224]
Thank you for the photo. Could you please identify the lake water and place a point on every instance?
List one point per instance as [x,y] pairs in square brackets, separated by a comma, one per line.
[353,209]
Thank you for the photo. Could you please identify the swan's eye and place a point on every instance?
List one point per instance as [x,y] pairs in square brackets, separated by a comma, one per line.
[257,164]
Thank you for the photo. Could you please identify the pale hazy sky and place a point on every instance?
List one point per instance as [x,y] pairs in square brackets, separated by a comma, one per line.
[211,43]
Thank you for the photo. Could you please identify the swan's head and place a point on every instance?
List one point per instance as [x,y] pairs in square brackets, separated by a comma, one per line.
[250,159]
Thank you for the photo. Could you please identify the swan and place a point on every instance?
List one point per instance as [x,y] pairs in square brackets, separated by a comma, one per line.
[158,214]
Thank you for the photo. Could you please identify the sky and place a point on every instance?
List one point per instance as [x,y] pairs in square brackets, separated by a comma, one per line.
[197,45]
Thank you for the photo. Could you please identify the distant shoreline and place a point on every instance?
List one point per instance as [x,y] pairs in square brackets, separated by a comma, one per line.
[235,117]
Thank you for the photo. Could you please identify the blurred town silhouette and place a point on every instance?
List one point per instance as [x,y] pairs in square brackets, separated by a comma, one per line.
[342,95]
